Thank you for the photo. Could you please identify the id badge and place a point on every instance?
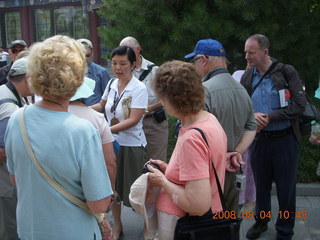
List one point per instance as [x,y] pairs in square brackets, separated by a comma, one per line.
[114,121]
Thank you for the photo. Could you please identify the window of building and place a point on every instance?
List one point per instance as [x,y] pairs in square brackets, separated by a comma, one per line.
[43,24]
[70,21]
[10,27]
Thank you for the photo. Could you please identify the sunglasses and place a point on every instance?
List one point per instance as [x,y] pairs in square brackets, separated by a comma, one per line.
[88,54]
[16,50]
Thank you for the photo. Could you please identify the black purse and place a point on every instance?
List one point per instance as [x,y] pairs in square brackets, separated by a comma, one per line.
[160,115]
[210,226]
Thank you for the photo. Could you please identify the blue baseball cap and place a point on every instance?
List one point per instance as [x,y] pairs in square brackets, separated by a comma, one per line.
[208,47]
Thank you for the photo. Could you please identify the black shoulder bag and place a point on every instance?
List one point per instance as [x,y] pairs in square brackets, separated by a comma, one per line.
[310,113]
[209,226]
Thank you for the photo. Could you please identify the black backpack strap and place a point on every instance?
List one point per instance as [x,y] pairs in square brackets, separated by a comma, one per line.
[274,63]
[15,93]
[284,73]
[8,100]
[109,84]
[146,72]
[223,204]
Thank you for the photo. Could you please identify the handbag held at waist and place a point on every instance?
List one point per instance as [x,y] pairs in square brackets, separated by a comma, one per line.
[159,115]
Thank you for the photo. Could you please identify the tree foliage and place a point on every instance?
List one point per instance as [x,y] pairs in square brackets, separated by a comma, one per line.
[169,29]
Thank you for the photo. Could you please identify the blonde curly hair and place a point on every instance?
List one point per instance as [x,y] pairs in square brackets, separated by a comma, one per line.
[56,67]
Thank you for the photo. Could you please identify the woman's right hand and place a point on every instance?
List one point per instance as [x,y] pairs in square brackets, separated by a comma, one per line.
[162,165]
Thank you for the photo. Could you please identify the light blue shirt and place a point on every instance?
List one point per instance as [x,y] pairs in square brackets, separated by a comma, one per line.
[101,77]
[69,149]
[266,99]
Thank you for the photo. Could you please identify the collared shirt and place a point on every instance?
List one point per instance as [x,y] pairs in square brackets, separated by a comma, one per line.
[101,77]
[229,101]
[137,91]
[266,99]
[148,80]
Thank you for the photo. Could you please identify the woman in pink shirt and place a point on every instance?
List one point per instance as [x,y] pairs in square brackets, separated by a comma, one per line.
[188,183]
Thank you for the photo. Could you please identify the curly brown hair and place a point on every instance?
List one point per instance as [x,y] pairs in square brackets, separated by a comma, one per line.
[179,83]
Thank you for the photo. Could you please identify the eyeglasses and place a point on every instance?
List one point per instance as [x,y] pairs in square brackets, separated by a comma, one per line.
[16,50]
[88,54]
[196,59]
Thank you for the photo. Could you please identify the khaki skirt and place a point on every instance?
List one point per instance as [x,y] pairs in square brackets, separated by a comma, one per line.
[130,161]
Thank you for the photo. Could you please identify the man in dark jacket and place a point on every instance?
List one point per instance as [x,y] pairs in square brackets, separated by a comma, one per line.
[15,48]
[278,101]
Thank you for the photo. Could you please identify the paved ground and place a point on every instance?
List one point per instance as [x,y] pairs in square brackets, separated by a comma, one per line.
[305,229]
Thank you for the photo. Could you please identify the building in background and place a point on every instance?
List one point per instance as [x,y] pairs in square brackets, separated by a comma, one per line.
[35,20]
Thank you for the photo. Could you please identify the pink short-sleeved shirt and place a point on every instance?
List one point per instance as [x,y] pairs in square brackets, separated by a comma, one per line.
[191,160]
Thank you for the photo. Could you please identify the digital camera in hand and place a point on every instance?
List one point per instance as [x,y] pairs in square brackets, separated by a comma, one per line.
[145,168]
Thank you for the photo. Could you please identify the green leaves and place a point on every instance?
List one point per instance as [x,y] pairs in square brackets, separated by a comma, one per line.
[169,29]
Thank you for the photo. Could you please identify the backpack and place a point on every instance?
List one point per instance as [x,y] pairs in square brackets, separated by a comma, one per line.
[310,113]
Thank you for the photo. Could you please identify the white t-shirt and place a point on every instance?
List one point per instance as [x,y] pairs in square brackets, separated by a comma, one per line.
[134,136]
[238,74]
[96,118]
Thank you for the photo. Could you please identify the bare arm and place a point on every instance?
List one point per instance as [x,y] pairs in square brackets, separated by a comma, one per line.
[245,141]
[99,206]
[186,198]
[110,159]
[3,156]
[314,139]
[234,159]
[135,116]
[99,107]
[154,106]
[13,180]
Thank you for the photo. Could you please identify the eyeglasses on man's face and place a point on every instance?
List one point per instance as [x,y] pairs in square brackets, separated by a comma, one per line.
[14,51]
[195,59]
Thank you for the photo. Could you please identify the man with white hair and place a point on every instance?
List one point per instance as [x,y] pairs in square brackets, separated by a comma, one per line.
[229,102]
[155,124]
[11,98]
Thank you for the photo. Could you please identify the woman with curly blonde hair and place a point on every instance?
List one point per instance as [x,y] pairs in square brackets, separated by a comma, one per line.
[187,182]
[67,147]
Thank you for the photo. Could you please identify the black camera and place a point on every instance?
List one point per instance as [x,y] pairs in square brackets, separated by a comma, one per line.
[145,167]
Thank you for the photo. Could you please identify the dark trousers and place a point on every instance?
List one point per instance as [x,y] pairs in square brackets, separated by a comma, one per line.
[275,159]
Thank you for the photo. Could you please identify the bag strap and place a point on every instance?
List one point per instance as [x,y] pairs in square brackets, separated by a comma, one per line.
[15,93]
[109,84]
[215,172]
[8,100]
[146,72]
[45,175]
[274,63]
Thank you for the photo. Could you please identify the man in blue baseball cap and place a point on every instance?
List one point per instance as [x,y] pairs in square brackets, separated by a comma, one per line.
[229,102]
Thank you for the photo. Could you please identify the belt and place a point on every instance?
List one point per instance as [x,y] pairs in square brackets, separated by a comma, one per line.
[277,133]
[148,116]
